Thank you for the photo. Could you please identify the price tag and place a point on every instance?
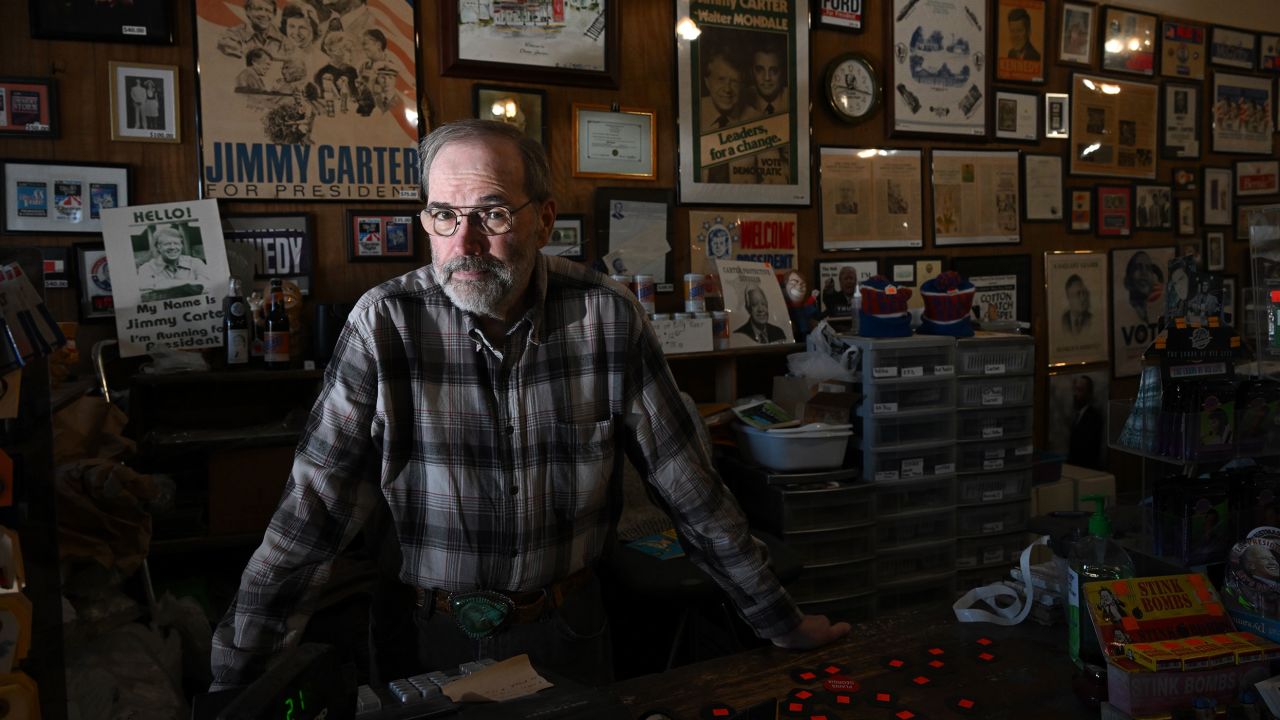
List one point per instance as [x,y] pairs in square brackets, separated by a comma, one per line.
[992,555]
[992,495]
[917,371]
[992,432]
[886,475]
[992,527]
[992,454]
[913,468]
[884,372]
[1024,450]
[993,369]
[944,468]
[993,395]
[993,464]
[881,408]
[944,369]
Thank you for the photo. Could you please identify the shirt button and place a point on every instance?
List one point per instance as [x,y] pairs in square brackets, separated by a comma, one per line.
[515,489]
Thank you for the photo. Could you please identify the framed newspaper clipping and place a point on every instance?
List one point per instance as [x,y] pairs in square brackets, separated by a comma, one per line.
[975,197]
[870,198]
[744,104]
[308,102]
[1113,127]
[940,69]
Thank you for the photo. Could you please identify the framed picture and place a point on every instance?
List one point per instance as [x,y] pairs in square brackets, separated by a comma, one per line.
[1076,287]
[28,107]
[1215,250]
[1229,299]
[1113,127]
[1182,50]
[1242,219]
[1081,220]
[42,197]
[1002,285]
[568,238]
[910,271]
[611,143]
[1077,416]
[938,71]
[284,246]
[1232,48]
[975,197]
[1153,207]
[1115,210]
[1180,121]
[1242,119]
[381,235]
[144,102]
[521,107]
[94,278]
[1020,40]
[1057,116]
[839,14]
[559,43]
[870,198]
[632,230]
[354,134]
[1137,283]
[1216,207]
[744,142]
[1129,41]
[1257,177]
[1042,192]
[1193,250]
[109,22]
[1017,116]
[1076,30]
[1186,216]
[1269,53]
[1185,179]
[837,282]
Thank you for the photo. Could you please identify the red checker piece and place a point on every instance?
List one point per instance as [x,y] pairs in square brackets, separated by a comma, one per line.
[804,675]
[716,710]
[936,651]
[834,669]
[964,705]
[801,694]
[904,715]
[985,641]
[921,680]
[937,664]
[883,699]
[894,663]
[841,699]
[986,657]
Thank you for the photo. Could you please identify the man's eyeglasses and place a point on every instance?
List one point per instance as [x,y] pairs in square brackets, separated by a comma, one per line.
[491,219]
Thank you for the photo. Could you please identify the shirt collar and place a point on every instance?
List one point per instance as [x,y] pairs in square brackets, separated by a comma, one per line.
[535,315]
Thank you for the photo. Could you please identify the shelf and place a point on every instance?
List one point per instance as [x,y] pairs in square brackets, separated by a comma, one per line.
[725,371]
[268,435]
[782,348]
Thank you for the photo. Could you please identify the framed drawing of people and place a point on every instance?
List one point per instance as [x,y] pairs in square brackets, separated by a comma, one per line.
[1076,293]
[743,89]
[938,75]
[290,107]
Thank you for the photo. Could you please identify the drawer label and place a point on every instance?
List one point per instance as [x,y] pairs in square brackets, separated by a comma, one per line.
[992,432]
[884,372]
[991,454]
[992,527]
[992,555]
[917,371]
[993,464]
[944,369]
[880,408]
[993,369]
[993,395]
[944,468]
[886,475]
[1024,450]
[992,495]
[913,468]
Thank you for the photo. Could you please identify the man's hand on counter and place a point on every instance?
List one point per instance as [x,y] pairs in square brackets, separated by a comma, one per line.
[813,631]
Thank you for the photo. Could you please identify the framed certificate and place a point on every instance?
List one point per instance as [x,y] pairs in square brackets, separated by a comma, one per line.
[611,143]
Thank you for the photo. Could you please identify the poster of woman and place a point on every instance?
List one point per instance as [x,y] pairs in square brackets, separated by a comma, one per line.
[1138,278]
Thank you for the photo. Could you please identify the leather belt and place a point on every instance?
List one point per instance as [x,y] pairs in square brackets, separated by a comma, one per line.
[526,606]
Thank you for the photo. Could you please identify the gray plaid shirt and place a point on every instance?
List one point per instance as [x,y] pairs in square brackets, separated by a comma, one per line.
[497,462]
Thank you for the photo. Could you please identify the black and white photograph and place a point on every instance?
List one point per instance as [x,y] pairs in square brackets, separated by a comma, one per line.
[1077,419]
[144,102]
[1186,216]
[1180,121]
[838,282]
[1215,210]
[1152,207]
[1215,244]
[1017,116]
[1137,291]
[753,298]
[1076,285]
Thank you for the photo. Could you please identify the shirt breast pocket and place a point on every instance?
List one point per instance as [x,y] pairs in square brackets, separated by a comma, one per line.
[580,466]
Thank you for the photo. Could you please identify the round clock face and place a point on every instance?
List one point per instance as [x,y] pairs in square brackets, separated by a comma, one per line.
[852,88]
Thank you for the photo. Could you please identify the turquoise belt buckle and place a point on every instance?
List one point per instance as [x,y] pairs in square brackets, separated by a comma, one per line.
[480,613]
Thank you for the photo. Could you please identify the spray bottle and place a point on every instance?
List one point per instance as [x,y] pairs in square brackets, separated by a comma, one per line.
[1093,557]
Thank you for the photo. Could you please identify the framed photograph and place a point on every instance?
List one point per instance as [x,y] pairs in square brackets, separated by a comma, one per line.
[1002,285]
[1215,250]
[1185,179]
[870,198]
[1232,48]
[381,235]
[1077,416]
[839,14]
[1186,216]
[910,271]
[1180,121]
[1269,53]
[1218,191]
[144,102]
[1153,207]
[1193,252]
[1257,177]
[1242,119]
[1042,192]
[1017,116]
[1057,115]
[1076,287]
[633,227]
[1081,220]
[938,73]
[1229,299]
[568,238]
[743,95]
[559,43]
[1076,30]
[1115,210]
[108,22]
[1137,293]
[975,197]
[94,279]
[310,128]
[42,197]
[283,246]
[521,107]
[1129,41]
[1020,40]
[1182,50]
[614,143]
[837,282]
[1113,127]
[28,107]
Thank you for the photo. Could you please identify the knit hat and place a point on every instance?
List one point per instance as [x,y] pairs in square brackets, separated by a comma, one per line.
[884,309]
[948,299]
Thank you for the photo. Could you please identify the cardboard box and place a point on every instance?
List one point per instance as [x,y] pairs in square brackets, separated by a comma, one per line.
[809,400]
[1137,692]
[1053,497]
[1091,482]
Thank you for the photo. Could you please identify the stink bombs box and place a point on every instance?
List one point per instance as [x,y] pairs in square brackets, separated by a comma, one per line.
[1154,609]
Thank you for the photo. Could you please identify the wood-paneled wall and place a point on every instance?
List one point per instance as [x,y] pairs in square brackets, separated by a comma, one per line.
[163,173]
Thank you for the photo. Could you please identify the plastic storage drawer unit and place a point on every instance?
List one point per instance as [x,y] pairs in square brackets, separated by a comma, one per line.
[822,547]
[983,489]
[915,562]
[918,463]
[910,496]
[917,356]
[995,456]
[990,519]
[782,509]
[995,423]
[1002,550]
[836,580]
[925,427]
[937,590]
[995,391]
[934,526]
[995,354]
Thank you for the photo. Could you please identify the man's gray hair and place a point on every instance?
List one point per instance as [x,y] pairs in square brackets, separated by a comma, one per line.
[537,172]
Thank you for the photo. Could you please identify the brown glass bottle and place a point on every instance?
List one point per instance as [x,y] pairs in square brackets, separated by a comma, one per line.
[275,341]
